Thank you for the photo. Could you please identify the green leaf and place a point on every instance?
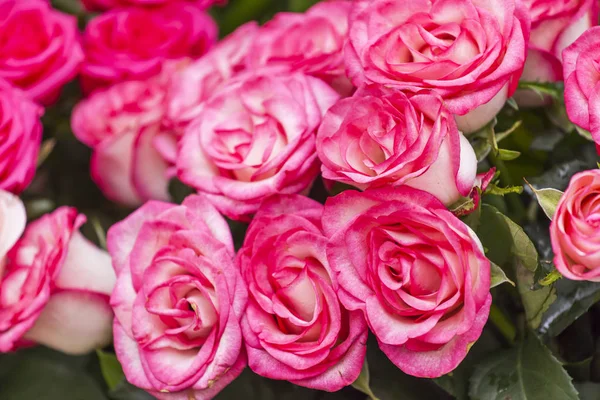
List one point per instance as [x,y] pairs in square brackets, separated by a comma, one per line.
[542,88]
[503,135]
[548,199]
[535,302]
[42,374]
[508,155]
[526,372]
[550,278]
[498,276]
[574,299]
[362,382]
[588,390]
[512,103]
[498,191]
[126,391]
[584,133]
[111,369]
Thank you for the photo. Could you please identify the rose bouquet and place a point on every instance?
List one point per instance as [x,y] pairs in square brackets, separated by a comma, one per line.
[301,199]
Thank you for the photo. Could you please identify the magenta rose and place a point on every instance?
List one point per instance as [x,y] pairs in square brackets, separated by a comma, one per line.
[178,300]
[471,52]
[133,43]
[555,24]
[294,326]
[416,271]
[103,5]
[55,288]
[12,223]
[254,138]
[382,136]
[40,50]
[310,42]
[195,84]
[20,138]
[575,228]
[133,151]
[582,81]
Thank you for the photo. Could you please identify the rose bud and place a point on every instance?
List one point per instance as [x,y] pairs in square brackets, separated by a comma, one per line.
[20,138]
[555,24]
[582,82]
[115,50]
[575,228]
[416,272]
[191,87]
[294,326]
[310,42]
[133,151]
[55,288]
[254,138]
[471,52]
[13,220]
[178,300]
[40,48]
[381,136]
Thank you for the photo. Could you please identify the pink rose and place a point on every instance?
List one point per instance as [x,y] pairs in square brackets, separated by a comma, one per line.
[254,138]
[471,52]
[575,228]
[20,138]
[310,42]
[382,136]
[178,300]
[196,83]
[12,224]
[40,49]
[582,81]
[555,24]
[294,326]
[133,151]
[103,5]
[416,271]
[133,43]
[56,287]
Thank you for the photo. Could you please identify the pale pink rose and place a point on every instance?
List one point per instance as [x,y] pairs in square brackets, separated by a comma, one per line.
[20,138]
[55,288]
[254,138]
[39,50]
[575,228]
[103,5]
[133,151]
[555,24]
[310,42]
[196,83]
[582,81]
[12,223]
[294,326]
[471,52]
[178,300]
[416,271]
[133,43]
[381,136]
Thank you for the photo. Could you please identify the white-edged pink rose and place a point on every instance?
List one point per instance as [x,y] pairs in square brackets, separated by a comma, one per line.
[178,300]
[133,43]
[20,138]
[310,42]
[255,138]
[191,87]
[416,271]
[575,228]
[555,24]
[381,136]
[55,288]
[132,150]
[582,81]
[12,223]
[472,52]
[294,326]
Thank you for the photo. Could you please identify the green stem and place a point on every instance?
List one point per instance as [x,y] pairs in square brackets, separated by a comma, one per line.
[513,199]
[503,324]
